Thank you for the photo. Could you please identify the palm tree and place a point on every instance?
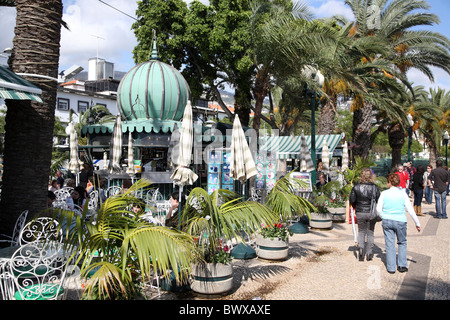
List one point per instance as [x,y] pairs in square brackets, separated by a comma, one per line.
[433,116]
[407,48]
[264,50]
[29,125]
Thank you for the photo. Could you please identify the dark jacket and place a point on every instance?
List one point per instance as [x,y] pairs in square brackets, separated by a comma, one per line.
[417,182]
[362,194]
[440,177]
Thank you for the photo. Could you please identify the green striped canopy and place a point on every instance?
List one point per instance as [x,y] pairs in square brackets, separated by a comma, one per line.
[16,88]
[288,147]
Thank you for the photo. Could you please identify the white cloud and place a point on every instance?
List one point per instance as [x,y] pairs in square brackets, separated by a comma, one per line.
[329,8]
[441,79]
[7,23]
[88,20]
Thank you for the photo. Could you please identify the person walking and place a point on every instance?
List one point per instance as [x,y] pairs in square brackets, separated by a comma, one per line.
[361,197]
[417,188]
[428,192]
[441,179]
[404,178]
[392,204]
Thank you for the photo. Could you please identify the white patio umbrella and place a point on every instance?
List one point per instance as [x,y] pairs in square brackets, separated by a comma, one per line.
[305,156]
[172,154]
[74,163]
[344,156]
[105,160]
[183,175]
[325,156]
[130,169]
[242,165]
[352,217]
[116,147]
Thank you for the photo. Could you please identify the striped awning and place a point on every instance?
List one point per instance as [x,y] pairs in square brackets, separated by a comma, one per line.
[17,88]
[288,147]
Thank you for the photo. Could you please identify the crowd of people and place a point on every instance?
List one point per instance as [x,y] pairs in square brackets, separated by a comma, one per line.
[392,205]
[88,182]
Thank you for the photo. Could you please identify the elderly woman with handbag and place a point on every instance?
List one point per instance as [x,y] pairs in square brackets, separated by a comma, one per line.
[392,205]
[363,198]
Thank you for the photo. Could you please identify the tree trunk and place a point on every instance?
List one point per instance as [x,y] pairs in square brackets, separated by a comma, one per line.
[241,103]
[29,125]
[327,121]
[396,137]
[362,125]
[260,91]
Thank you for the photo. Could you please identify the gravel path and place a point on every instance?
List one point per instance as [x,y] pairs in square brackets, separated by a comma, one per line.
[322,265]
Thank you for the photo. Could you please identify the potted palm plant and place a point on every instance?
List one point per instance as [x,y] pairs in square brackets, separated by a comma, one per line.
[272,242]
[116,250]
[214,219]
[333,196]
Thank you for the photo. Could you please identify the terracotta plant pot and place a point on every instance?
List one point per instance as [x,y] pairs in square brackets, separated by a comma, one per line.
[269,249]
[212,278]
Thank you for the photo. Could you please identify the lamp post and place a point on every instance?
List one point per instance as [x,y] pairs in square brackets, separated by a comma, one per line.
[318,78]
[411,124]
[445,138]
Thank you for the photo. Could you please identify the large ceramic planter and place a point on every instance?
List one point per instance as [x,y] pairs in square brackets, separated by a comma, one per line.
[337,214]
[212,278]
[271,249]
[320,220]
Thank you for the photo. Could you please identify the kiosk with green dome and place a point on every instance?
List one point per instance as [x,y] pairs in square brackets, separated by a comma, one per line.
[151,99]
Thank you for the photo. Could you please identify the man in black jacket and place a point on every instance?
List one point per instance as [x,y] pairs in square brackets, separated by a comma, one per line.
[441,179]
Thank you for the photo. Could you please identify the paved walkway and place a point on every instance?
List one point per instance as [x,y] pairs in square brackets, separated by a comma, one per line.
[323,264]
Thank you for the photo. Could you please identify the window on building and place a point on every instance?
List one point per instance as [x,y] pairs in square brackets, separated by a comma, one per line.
[63,104]
[83,106]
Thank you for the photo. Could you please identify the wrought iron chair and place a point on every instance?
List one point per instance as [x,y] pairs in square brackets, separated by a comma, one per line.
[93,200]
[20,222]
[113,190]
[38,272]
[61,196]
[40,230]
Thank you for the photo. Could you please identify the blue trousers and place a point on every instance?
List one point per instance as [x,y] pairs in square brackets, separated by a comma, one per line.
[441,204]
[394,229]
[428,195]
[418,195]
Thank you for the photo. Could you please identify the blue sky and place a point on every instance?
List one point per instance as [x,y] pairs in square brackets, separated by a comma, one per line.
[96,27]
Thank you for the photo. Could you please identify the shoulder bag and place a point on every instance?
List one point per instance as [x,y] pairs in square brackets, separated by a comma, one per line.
[374,214]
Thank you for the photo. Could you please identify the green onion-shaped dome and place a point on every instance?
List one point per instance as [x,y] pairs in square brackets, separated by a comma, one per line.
[152,90]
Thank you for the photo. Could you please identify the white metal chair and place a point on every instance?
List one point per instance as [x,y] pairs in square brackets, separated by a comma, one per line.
[61,196]
[255,195]
[39,230]
[20,222]
[63,193]
[38,272]
[113,190]
[93,200]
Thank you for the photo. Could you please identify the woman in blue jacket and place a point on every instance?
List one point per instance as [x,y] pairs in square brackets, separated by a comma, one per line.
[392,204]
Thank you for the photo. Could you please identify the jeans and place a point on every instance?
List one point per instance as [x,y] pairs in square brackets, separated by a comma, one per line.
[366,228]
[418,195]
[428,195]
[391,230]
[441,204]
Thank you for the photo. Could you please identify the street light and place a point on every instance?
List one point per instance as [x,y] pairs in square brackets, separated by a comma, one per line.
[411,124]
[445,137]
[319,79]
